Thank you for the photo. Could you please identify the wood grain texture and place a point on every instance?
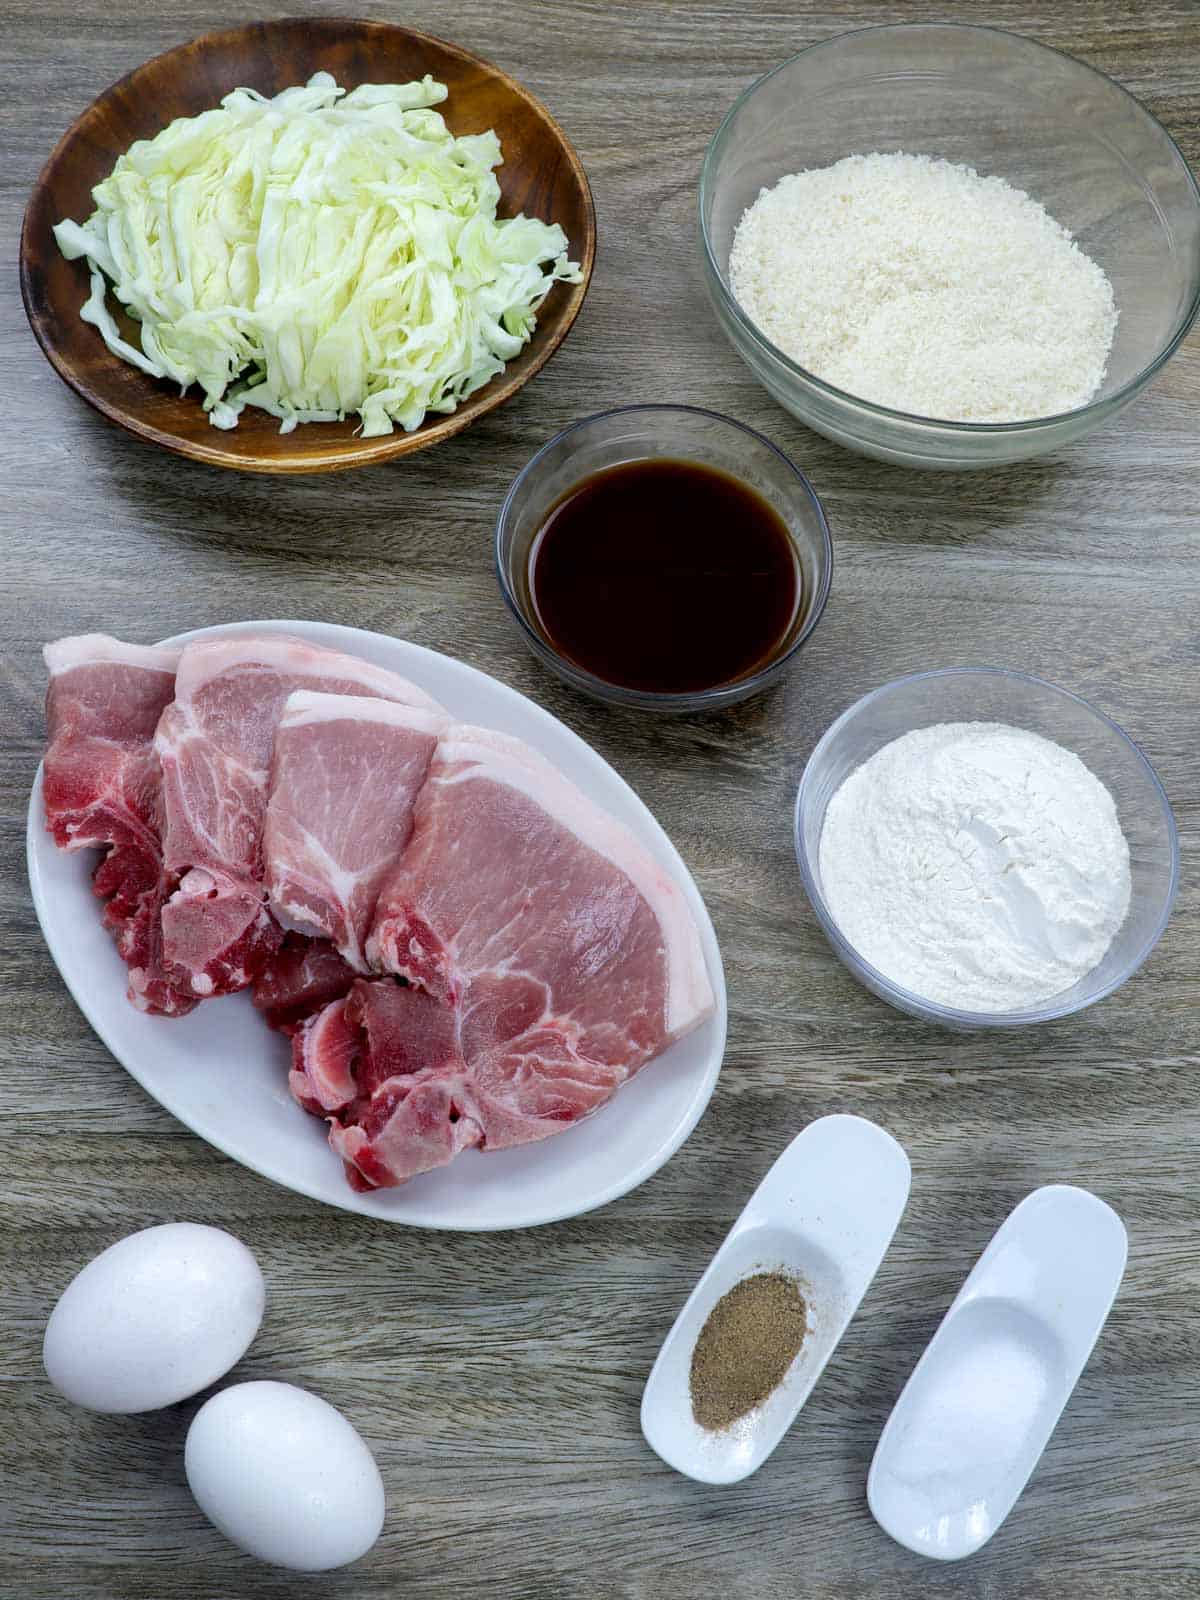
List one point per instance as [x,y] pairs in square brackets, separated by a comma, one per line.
[541,177]
[498,1377]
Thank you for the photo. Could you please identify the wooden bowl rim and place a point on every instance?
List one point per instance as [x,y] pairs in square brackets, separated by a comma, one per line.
[354,452]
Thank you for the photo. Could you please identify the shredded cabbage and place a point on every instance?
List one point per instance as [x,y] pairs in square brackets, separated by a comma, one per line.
[317,254]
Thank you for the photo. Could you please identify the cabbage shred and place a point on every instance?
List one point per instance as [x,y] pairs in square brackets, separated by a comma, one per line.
[316,255]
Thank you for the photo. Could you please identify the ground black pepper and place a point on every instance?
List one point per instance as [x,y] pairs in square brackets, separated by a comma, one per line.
[750,1339]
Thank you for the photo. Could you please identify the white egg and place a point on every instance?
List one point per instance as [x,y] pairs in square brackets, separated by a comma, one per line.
[284,1476]
[154,1318]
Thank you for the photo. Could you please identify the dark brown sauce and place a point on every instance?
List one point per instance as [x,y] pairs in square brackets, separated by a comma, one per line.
[665,576]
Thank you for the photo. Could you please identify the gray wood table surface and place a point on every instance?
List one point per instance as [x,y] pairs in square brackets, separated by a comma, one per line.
[498,1377]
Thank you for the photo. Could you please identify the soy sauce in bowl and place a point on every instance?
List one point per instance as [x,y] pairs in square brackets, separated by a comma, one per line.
[666,577]
[664,557]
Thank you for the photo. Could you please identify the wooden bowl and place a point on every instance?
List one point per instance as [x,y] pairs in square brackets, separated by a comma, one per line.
[541,176]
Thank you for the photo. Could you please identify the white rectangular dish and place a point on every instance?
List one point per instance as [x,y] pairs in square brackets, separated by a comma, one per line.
[824,1214]
[982,1402]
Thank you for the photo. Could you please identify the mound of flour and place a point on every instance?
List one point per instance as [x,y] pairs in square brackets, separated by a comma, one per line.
[976,865]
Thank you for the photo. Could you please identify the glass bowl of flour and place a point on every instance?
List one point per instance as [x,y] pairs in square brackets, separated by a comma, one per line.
[948,246]
[983,849]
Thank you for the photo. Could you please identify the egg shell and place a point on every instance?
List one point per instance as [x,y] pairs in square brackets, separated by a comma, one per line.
[284,1476]
[155,1318]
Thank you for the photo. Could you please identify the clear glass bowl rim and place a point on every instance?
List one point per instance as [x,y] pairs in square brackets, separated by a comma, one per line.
[931,1010]
[742,688]
[1029,424]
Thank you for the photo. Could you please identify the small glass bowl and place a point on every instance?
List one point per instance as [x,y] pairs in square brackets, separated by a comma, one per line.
[674,433]
[1071,137]
[993,694]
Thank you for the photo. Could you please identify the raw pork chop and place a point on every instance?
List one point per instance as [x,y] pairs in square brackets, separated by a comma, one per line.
[214,743]
[548,957]
[301,977]
[102,791]
[344,777]
[387,1059]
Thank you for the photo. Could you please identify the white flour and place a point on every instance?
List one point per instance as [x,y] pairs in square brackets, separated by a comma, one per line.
[976,865]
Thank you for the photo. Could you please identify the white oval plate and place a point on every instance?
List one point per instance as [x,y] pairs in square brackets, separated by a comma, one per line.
[223,1072]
